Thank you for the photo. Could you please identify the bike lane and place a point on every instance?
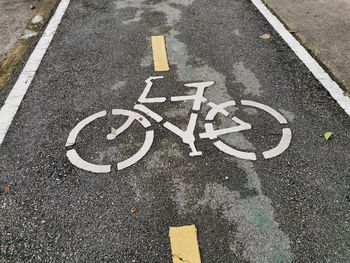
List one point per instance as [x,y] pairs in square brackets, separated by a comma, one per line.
[291,208]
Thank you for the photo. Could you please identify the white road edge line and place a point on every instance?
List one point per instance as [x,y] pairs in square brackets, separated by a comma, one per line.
[14,99]
[333,88]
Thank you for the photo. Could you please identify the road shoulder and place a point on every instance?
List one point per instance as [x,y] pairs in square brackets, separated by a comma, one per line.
[19,44]
[321,27]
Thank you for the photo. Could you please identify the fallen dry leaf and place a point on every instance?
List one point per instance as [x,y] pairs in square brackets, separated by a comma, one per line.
[265,36]
[7,189]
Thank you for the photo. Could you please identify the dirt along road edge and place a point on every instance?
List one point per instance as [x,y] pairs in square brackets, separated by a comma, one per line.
[31,33]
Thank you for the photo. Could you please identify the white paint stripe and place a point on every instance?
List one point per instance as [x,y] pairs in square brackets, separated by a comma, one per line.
[148,112]
[9,109]
[332,87]
[198,98]
[282,146]
[266,108]
[233,152]
[75,159]
[192,123]
[182,134]
[218,108]
[121,129]
[74,133]
[148,139]
[144,122]
[213,134]
[143,97]
[140,154]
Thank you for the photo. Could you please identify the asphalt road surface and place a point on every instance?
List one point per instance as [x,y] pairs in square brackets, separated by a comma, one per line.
[293,207]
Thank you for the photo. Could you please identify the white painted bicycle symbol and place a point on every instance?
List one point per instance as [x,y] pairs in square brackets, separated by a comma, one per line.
[187,135]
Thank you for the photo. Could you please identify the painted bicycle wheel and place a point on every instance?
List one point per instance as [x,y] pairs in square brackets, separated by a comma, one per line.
[132,116]
[213,134]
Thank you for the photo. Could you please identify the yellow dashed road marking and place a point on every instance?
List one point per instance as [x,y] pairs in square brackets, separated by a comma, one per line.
[160,58]
[184,244]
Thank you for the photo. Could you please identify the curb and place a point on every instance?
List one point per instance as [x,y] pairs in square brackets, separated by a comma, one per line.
[309,61]
[311,50]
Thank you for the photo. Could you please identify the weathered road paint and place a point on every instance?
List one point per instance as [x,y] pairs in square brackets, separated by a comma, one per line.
[160,58]
[76,160]
[187,135]
[184,244]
